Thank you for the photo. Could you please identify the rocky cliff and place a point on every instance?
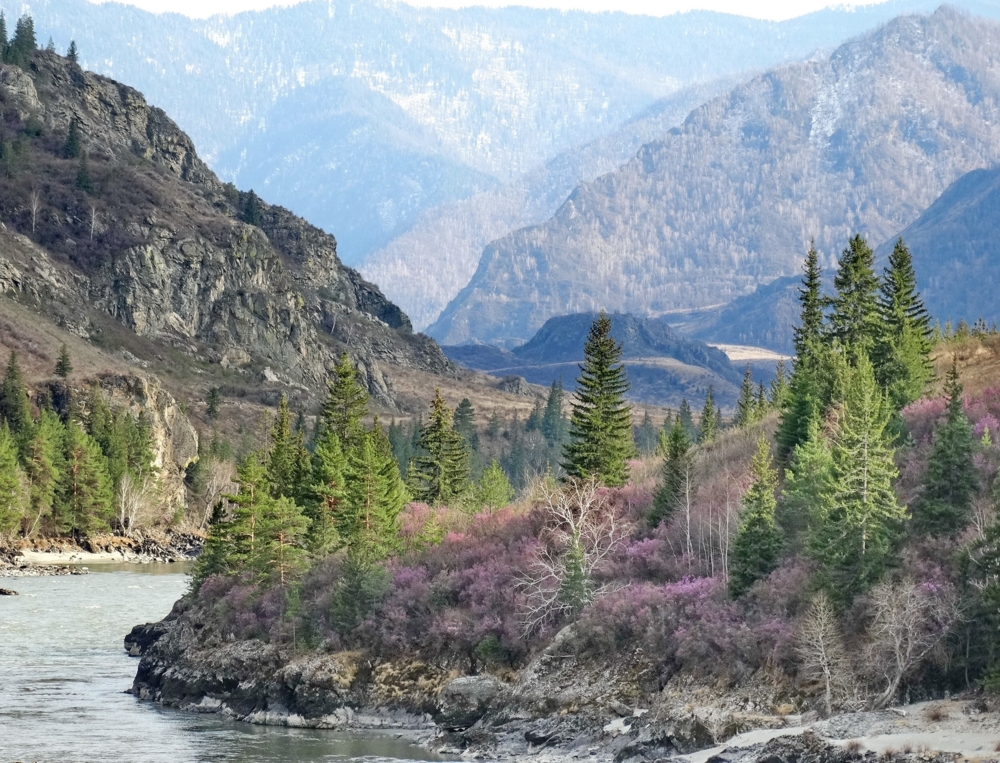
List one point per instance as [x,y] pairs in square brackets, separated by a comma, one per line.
[134,227]
[862,140]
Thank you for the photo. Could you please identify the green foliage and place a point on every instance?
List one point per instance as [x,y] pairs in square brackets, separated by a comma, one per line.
[779,387]
[676,474]
[746,405]
[288,466]
[686,418]
[360,589]
[73,54]
[374,497]
[493,491]
[329,465]
[15,409]
[64,366]
[253,210]
[854,317]
[756,548]
[345,405]
[646,435]
[85,487]
[83,180]
[283,533]
[212,403]
[12,484]
[576,590]
[73,148]
[809,332]
[43,465]
[465,424]
[945,506]
[854,537]
[808,487]
[440,471]
[23,43]
[124,440]
[554,426]
[600,428]
[709,422]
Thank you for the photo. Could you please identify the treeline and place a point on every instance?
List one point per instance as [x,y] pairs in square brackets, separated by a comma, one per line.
[18,49]
[67,469]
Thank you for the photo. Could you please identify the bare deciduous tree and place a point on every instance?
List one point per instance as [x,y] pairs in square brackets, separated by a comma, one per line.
[911,620]
[823,656]
[36,205]
[219,481]
[93,220]
[136,496]
[583,531]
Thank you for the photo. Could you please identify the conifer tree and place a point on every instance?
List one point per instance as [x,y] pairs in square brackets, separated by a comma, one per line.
[23,43]
[50,46]
[212,403]
[440,471]
[534,421]
[853,540]
[493,425]
[757,546]
[810,330]
[808,486]
[85,490]
[746,405]
[345,406]
[493,491]
[325,510]
[64,366]
[12,484]
[3,38]
[465,424]
[15,409]
[945,506]
[374,498]
[779,387]
[83,180]
[676,465]
[854,319]
[600,429]
[73,148]
[902,364]
[73,54]
[253,209]
[646,435]
[43,461]
[709,422]
[283,467]
[686,418]
[762,405]
[283,532]
[553,421]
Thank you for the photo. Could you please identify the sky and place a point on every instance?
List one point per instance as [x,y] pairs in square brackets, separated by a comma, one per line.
[763,9]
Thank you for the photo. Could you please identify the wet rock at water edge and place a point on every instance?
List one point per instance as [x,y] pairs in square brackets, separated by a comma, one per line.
[465,700]
[7,592]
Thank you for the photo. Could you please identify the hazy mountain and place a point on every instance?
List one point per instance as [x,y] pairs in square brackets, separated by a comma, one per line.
[862,140]
[363,114]
[662,366]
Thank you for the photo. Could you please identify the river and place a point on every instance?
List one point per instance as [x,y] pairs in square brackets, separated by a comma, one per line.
[63,674]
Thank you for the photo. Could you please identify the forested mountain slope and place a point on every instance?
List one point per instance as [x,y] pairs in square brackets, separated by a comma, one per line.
[863,140]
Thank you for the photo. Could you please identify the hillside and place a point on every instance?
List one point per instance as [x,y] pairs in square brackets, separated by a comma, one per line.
[359,115]
[662,367]
[136,246]
[862,140]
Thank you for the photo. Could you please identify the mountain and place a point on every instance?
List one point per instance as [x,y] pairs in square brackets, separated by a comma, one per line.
[362,114]
[127,239]
[862,140]
[956,249]
[663,368]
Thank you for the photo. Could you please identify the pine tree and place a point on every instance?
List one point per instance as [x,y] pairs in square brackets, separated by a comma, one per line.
[810,330]
[746,405]
[440,471]
[757,546]
[43,460]
[709,422]
[12,484]
[761,405]
[283,533]
[212,403]
[676,464]
[686,418]
[15,409]
[902,364]
[329,465]
[853,540]
[23,44]
[808,486]
[950,482]
[283,458]
[465,424]
[253,209]
[493,491]
[50,46]
[3,38]
[779,387]
[493,425]
[553,421]
[854,319]
[64,367]
[73,54]
[85,490]
[374,498]
[646,435]
[83,180]
[534,421]
[345,406]
[73,148]
[600,429]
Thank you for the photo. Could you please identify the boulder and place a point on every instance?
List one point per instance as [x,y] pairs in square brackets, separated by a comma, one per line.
[465,700]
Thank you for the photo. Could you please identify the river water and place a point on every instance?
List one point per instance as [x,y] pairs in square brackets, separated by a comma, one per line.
[63,673]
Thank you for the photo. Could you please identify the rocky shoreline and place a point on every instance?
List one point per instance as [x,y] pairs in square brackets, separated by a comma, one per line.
[554,710]
[66,556]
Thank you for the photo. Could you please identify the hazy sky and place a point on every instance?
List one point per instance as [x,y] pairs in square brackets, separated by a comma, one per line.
[764,9]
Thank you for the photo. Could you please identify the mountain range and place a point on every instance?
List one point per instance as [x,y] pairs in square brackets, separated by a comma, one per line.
[862,140]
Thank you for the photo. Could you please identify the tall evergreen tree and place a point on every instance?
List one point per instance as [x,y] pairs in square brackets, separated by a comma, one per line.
[12,484]
[283,532]
[43,463]
[601,427]
[465,424]
[283,465]
[808,486]
[746,405]
[23,43]
[951,480]
[73,148]
[345,406]
[374,498]
[676,466]
[440,471]
[15,409]
[709,423]
[213,403]
[325,510]
[553,421]
[902,364]
[83,179]
[853,540]
[493,491]
[73,54]
[779,387]
[854,318]
[253,209]
[85,490]
[646,435]
[810,330]
[757,546]
[64,366]
[3,38]
[686,417]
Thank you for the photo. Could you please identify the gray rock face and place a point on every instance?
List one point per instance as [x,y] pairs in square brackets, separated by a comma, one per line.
[465,700]
[159,246]
[861,141]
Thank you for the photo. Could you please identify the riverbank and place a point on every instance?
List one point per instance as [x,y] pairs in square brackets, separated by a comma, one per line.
[34,557]
[557,709]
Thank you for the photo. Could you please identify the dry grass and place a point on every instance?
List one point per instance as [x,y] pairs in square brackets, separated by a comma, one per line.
[854,745]
[978,363]
[935,714]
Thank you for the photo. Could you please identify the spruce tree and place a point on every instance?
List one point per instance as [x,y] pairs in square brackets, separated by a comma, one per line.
[83,180]
[854,318]
[374,497]
[756,548]
[810,330]
[64,366]
[553,421]
[779,387]
[746,405]
[440,471]
[902,359]
[73,54]
[43,461]
[23,43]
[73,148]
[212,403]
[534,421]
[854,539]
[709,422]
[808,487]
[345,406]
[12,484]
[676,466]
[325,510]
[283,458]
[493,491]
[253,209]
[3,38]
[85,503]
[951,481]
[283,532]
[686,417]
[15,409]
[600,431]
[465,424]
[646,435]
